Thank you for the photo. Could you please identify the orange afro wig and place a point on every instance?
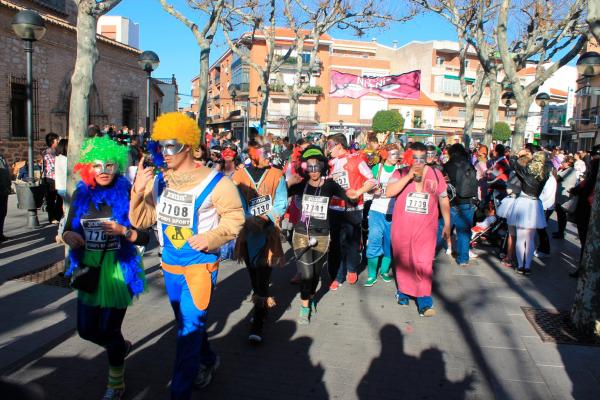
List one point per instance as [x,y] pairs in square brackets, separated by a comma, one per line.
[177,126]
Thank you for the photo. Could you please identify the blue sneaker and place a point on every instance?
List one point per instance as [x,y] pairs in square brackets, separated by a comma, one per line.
[403,301]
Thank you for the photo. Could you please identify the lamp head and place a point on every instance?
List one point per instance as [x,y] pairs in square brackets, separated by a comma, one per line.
[588,64]
[29,25]
[148,61]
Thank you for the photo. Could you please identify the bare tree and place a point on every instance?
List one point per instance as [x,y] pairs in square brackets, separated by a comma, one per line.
[464,17]
[309,21]
[585,313]
[593,18]
[204,37]
[88,12]
[250,15]
[550,28]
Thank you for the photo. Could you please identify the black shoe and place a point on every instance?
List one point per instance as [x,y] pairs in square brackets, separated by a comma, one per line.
[3,238]
[256,328]
[526,272]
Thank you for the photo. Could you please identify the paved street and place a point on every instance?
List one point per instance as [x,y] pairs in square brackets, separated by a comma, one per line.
[360,345]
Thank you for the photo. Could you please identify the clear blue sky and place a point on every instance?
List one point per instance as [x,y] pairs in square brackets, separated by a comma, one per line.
[178,51]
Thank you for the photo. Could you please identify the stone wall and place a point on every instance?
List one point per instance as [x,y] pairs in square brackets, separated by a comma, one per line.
[117,76]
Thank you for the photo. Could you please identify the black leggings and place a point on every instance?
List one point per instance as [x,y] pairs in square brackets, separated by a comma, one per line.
[260,277]
[344,254]
[103,327]
[311,262]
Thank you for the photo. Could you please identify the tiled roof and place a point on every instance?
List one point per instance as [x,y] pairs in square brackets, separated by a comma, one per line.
[558,92]
[423,100]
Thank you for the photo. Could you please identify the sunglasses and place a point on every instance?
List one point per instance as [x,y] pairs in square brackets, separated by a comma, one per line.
[431,154]
[313,168]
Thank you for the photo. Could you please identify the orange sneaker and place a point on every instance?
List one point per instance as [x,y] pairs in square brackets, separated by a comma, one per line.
[352,277]
[334,285]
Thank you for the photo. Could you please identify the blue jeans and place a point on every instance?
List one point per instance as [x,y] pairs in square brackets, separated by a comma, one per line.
[422,302]
[380,235]
[461,218]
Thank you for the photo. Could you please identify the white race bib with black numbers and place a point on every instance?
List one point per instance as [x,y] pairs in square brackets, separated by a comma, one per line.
[95,237]
[341,177]
[260,205]
[417,203]
[315,206]
[176,209]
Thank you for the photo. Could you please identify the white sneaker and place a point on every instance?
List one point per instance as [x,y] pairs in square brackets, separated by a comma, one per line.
[472,254]
[449,251]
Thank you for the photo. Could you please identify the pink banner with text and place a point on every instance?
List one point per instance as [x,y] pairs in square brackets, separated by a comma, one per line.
[403,86]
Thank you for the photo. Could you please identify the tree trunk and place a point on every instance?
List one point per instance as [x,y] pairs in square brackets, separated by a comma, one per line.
[469,118]
[585,313]
[81,84]
[518,137]
[493,110]
[264,110]
[203,88]
[293,118]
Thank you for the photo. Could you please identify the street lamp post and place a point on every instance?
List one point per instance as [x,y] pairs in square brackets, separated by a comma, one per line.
[148,61]
[29,26]
[542,100]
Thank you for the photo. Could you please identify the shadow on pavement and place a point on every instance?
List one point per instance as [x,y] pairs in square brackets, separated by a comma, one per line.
[396,375]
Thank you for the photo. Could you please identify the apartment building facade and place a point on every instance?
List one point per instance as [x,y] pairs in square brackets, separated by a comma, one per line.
[437,111]
[586,121]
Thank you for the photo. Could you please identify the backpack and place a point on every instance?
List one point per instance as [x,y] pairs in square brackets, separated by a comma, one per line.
[466,182]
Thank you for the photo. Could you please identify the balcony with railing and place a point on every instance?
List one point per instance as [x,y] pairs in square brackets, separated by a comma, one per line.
[303,116]
[310,90]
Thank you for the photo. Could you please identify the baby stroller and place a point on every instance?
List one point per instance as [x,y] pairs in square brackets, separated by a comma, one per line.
[496,232]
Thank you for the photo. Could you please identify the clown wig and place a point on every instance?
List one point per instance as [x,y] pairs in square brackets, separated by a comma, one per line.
[176,126]
[102,149]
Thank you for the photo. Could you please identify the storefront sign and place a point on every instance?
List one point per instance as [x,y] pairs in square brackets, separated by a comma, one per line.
[403,86]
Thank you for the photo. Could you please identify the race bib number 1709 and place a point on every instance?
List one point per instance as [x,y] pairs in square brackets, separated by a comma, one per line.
[417,203]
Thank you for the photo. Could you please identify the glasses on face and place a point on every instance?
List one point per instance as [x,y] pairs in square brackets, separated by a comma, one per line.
[431,154]
[419,160]
[170,147]
[313,168]
[108,167]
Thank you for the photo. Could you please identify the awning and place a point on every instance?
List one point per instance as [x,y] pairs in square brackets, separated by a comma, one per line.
[456,78]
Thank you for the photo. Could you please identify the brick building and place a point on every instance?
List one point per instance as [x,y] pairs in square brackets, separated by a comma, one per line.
[118,95]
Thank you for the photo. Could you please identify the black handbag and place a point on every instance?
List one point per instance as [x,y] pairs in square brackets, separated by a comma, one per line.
[85,277]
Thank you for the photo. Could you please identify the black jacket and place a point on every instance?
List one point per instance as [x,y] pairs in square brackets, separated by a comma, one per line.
[530,185]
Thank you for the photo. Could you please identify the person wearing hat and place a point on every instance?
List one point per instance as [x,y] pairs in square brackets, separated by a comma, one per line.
[311,232]
[196,210]
[264,195]
[105,266]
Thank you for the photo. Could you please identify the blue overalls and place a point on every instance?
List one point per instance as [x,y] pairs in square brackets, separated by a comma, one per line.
[189,276]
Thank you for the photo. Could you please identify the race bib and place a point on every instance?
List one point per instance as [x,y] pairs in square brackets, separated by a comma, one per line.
[341,177]
[417,203]
[383,188]
[315,206]
[176,209]
[95,237]
[260,205]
